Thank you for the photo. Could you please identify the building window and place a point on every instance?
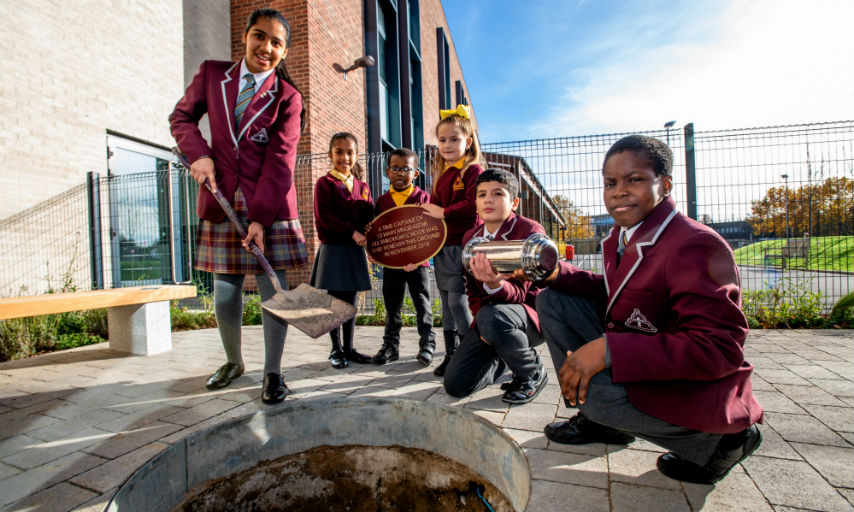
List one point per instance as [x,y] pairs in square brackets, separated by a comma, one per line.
[460,93]
[395,117]
[444,71]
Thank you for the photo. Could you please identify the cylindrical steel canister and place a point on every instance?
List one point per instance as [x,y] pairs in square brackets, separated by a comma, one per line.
[537,255]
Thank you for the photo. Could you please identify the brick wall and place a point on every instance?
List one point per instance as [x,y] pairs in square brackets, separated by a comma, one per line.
[71,70]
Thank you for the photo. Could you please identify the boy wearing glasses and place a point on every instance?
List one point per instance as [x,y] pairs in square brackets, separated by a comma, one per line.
[402,169]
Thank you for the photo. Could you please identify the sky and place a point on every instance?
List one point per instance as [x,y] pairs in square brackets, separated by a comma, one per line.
[552,68]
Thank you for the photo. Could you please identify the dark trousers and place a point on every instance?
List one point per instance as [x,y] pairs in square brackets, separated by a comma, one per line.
[510,340]
[395,282]
[570,321]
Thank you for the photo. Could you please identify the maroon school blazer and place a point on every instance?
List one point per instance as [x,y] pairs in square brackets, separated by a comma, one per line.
[672,317]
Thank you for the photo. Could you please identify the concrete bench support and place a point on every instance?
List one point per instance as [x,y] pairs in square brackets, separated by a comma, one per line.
[141,329]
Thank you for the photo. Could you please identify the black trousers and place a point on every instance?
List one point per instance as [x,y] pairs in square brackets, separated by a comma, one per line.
[511,340]
[395,282]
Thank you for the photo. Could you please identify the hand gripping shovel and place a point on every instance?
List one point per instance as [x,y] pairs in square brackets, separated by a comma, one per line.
[305,307]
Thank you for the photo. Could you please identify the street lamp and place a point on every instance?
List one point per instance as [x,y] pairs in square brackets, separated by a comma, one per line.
[668,125]
[786,181]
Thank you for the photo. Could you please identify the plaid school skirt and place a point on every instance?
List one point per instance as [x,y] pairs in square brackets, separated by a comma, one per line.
[219,249]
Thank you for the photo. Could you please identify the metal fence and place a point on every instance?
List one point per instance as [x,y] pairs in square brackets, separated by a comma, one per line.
[783,197]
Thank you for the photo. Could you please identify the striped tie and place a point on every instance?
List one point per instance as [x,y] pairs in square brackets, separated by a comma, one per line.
[621,245]
[244,99]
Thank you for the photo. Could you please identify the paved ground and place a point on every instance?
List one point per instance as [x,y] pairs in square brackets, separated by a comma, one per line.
[75,424]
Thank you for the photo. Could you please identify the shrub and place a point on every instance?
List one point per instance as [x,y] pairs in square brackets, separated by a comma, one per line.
[788,304]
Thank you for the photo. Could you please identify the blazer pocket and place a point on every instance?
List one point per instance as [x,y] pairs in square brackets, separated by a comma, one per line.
[636,310]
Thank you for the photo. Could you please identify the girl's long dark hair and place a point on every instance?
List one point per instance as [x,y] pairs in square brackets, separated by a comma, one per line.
[281,68]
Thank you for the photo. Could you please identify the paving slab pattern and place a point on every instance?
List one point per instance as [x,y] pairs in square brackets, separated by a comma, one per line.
[75,424]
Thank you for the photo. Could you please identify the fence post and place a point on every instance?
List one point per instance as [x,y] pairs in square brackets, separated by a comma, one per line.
[96,261]
[690,172]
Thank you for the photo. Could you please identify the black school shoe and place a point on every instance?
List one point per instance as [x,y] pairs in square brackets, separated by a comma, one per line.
[274,389]
[224,375]
[732,449]
[580,430]
[336,357]
[357,357]
[425,356]
[525,390]
[387,353]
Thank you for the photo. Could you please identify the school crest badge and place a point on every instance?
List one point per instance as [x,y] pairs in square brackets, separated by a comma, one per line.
[458,183]
[365,194]
[260,137]
[639,322]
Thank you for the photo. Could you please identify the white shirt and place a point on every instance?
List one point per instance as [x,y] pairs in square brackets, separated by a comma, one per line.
[489,290]
[260,78]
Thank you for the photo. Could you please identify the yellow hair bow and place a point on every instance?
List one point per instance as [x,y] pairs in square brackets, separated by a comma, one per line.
[461,110]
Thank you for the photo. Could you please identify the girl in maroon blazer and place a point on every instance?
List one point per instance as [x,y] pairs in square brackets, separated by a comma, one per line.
[342,208]
[455,170]
[255,115]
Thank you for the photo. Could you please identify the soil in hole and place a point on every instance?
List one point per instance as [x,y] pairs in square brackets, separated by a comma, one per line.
[353,478]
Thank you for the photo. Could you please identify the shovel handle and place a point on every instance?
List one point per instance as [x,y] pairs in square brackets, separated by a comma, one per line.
[241,230]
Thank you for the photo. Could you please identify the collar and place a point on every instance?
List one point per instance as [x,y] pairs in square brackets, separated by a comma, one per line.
[400,197]
[506,227]
[630,231]
[346,180]
[458,164]
[260,78]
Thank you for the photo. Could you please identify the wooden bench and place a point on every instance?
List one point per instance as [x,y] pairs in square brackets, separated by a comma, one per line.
[792,248]
[137,317]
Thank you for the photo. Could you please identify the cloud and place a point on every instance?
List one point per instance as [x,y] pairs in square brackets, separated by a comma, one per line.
[757,63]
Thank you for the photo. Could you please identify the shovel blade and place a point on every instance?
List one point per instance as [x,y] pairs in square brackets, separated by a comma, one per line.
[310,310]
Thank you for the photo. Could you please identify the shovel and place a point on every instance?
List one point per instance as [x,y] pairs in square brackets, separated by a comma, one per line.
[305,307]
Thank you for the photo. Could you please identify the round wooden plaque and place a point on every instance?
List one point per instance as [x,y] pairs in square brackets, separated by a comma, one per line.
[404,235]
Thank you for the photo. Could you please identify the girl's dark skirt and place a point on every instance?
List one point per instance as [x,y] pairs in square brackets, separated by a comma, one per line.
[219,249]
[448,269]
[341,267]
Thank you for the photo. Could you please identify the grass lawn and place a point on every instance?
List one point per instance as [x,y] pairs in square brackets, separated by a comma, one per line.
[826,253]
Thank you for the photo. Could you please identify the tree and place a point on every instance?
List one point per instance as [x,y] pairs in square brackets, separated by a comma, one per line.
[821,210]
[578,225]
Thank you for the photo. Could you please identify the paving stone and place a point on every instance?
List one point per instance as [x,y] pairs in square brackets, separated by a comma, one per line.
[21,421]
[627,497]
[491,416]
[775,446]
[15,444]
[760,384]
[39,478]
[113,473]
[200,412]
[811,371]
[843,369]
[41,452]
[803,429]
[848,494]
[720,496]
[55,499]
[794,484]
[570,468]
[638,467]
[787,358]
[153,412]
[531,416]
[836,387]
[82,421]
[6,471]
[782,377]
[809,395]
[834,464]
[555,496]
[774,401]
[528,439]
[840,419]
[131,440]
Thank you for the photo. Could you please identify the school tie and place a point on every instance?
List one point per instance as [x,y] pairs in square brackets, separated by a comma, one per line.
[243,99]
[490,238]
[621,246]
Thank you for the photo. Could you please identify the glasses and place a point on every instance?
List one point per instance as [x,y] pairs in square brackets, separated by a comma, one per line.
[402,170]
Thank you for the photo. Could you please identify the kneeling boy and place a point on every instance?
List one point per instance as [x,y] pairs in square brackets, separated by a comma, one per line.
[401,169]
[654,347]
[505,328]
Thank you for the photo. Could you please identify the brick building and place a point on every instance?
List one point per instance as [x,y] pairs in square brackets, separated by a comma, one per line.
[88,86]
